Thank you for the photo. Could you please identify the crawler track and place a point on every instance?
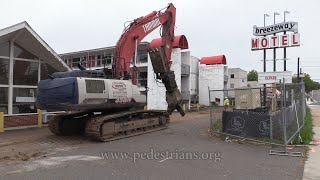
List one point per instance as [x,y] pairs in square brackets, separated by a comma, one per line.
[112,126]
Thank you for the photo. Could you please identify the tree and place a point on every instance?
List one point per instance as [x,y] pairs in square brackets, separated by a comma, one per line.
[308,82]
[253,75]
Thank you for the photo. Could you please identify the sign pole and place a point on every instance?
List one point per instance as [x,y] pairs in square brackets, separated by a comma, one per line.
[298,73]
[285,49]
[264,63]
[274,49]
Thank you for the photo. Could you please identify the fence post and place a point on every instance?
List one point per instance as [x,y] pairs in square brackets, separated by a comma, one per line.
[271,126]
[39,118]
[1,122]
[211,126]
[303,100]
[285,114]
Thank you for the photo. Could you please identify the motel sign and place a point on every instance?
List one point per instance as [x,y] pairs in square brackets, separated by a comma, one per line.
[268,38]
[277,41]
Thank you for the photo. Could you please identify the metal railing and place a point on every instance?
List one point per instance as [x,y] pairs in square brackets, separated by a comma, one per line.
[25,120]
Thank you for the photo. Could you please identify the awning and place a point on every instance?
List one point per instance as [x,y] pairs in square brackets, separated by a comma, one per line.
[211,60]
[179,42]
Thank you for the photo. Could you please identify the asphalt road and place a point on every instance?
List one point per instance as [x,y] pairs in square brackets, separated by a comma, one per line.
[173,145]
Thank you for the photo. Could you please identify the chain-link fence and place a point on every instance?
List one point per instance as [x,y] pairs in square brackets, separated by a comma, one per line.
[272,114]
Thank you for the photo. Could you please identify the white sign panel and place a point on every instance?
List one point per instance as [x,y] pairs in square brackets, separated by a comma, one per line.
[278,41]
[25,99]
[276,28]
[274,77]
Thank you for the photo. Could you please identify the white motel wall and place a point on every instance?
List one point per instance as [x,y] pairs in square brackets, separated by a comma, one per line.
[194,78]
[156,99]
[214,77]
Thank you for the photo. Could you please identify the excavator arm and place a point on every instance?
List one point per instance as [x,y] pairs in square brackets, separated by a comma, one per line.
[160,56]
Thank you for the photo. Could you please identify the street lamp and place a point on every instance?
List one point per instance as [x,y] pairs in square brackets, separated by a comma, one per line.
[274,17]
[264,19]
[284,15]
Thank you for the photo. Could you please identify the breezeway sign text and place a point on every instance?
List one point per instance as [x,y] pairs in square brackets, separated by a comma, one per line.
[276,28]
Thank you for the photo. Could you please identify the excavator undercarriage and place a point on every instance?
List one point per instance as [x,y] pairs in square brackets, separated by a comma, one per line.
[109,127]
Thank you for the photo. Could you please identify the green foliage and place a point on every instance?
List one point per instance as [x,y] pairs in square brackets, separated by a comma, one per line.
[253,75]
[306,131]
[309,83]
[217,125]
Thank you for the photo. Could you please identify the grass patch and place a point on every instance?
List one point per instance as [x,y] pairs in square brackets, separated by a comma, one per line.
[306,131]
[217,125]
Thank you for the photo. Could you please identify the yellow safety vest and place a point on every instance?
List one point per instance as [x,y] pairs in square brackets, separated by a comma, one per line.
[226,102]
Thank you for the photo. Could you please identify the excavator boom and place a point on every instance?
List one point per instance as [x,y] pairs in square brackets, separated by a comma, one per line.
[160,56]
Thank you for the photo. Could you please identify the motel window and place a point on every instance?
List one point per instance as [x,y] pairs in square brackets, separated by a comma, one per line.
[232,76]
[143,78]
[143,58]
[98,62]
[4,49]
[4,71]
[4,100]
[75,62]
[95,86]
[231,85]
[109,61]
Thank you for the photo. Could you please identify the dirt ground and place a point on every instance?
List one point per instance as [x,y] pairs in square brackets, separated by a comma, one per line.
[37,154]
[27,144]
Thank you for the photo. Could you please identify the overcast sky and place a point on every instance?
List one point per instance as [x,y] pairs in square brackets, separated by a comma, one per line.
[212,27]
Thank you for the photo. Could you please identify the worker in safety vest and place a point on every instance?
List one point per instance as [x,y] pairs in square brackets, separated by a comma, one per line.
[226,103]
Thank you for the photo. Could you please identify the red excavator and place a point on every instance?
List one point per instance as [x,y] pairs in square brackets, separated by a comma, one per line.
[108,105]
